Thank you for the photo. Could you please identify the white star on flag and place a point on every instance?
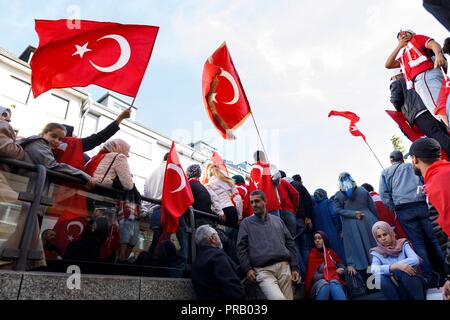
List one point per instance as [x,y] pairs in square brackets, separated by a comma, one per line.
[70,238]
[81,50]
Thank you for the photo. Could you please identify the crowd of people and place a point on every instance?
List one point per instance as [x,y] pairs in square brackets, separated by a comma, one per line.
[267,230]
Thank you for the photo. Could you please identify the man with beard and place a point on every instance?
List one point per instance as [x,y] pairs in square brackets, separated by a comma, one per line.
[426,159]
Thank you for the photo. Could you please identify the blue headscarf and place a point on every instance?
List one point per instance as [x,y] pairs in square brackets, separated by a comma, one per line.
[347,184]
[320,195]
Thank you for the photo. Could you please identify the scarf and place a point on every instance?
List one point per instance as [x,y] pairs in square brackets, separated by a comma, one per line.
[396,246]
[92,165]
[316,258]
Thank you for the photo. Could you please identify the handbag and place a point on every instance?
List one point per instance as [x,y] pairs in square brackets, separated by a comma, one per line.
[355,285]
[129,206]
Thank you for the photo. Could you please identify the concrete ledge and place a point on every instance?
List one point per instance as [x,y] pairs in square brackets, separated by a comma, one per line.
[49,286]
[9,285]
[166,289]
[53,286]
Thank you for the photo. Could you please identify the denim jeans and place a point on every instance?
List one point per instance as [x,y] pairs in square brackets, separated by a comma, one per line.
[417,225]
[409,287]
[332,290]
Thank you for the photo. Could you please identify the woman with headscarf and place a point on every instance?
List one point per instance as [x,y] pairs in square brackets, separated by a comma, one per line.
[358,214]
[110,167]
[322,279]
[395,262]
[202,198]
[326,219]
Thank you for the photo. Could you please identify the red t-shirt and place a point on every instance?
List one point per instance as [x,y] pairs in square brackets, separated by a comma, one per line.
[437,182]
[413,58]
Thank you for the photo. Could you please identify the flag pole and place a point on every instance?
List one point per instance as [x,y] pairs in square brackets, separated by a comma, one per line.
[260,139]
[374,154]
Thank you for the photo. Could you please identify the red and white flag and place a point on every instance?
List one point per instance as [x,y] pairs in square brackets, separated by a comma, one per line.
[223,94]
[441,107]
[176,194]
[111,55]
[261,179]
[353,120]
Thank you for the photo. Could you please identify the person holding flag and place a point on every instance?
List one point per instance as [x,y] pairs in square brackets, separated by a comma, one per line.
[414,54]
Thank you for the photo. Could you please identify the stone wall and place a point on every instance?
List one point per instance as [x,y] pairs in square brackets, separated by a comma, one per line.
[53,286]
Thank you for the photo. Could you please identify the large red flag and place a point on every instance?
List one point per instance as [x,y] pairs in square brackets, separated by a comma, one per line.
[176,194]
[412,133]
[223,93]
[111,55]
[261,179]
[353,120]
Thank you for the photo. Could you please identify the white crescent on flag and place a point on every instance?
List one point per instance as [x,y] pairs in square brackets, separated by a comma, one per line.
[125,54]
[180,172]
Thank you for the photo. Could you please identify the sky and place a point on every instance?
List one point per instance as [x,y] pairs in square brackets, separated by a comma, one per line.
[297,60]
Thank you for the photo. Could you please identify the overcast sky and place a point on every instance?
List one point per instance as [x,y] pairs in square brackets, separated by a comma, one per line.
[297,60]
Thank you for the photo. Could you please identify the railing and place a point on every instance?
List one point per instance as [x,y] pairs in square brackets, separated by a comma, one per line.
[36,199]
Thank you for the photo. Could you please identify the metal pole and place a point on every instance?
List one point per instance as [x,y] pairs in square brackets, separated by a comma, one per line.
[260,139]
[374,154]
[31,220]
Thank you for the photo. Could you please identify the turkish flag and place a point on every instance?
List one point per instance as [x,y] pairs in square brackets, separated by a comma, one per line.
[412,133]
[441,108]
[223,94]
[261,179]
[176,194]
[111,55]
[68,231]
[353,120]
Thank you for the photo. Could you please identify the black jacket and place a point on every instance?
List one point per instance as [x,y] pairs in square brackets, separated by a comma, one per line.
[305,205]
[202,202]
[406,101]
[215,276]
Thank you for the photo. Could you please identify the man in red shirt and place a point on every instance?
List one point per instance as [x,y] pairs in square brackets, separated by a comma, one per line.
[413,54]
[426,159]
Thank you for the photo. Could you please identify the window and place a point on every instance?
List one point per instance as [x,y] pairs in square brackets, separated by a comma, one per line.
[54,105]
[18,90]
[90,124]
[139,182]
